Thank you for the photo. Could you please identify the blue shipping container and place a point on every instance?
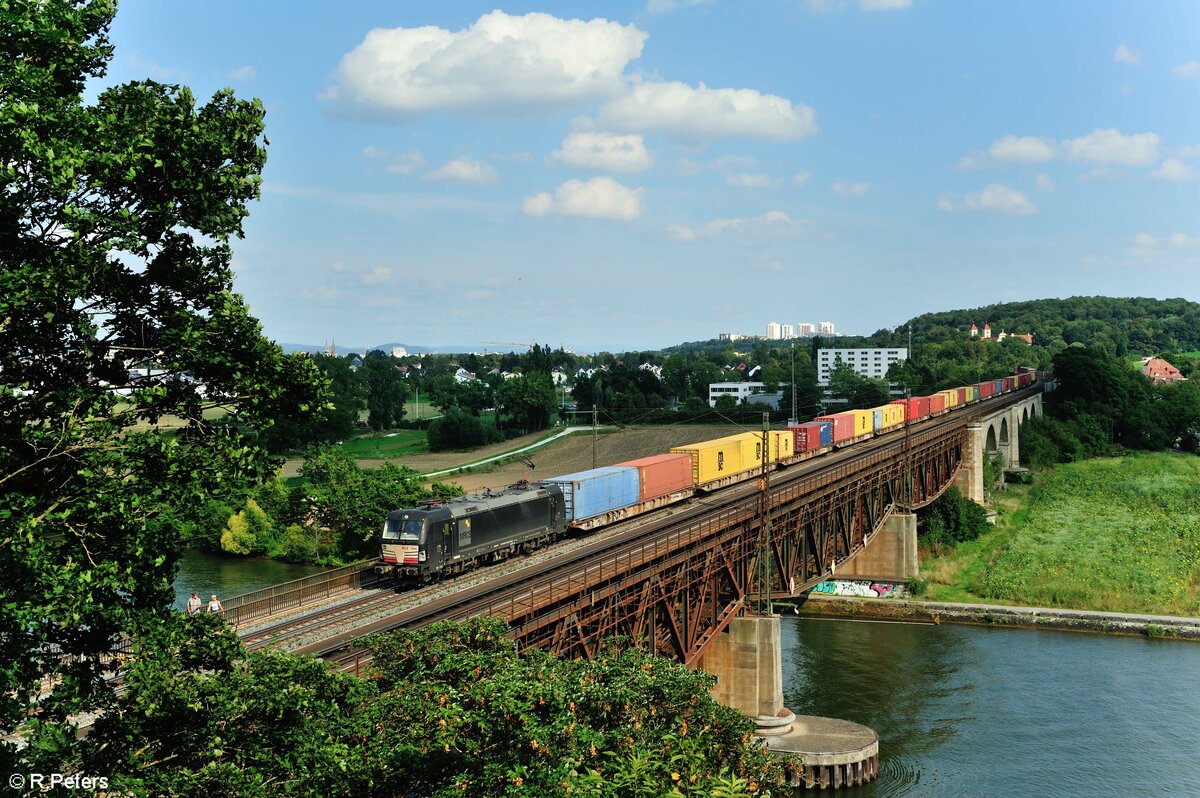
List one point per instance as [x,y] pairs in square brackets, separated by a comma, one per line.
[999,386]
[598,490]
[826,433]
[877,419]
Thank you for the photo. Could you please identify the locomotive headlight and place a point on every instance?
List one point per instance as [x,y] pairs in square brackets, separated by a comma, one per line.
[421,555]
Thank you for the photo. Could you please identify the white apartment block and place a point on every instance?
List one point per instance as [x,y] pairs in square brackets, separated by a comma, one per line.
[774,331]
[787,331]
[806,329]
[825,327]
[738,390]
[872,363]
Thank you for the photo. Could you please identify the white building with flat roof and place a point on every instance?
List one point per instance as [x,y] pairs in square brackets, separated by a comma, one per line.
[738,390]
[872,363]
[806,329]
[825,327]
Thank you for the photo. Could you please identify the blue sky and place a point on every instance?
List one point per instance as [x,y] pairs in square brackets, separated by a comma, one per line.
[633,175]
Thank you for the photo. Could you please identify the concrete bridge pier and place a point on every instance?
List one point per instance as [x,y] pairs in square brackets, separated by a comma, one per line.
[747,661]
[892,555]
[969,479]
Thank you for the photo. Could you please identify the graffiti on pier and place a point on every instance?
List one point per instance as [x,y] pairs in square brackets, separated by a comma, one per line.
[860,588]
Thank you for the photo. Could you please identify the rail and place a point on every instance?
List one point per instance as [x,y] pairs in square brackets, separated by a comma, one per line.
[298,592]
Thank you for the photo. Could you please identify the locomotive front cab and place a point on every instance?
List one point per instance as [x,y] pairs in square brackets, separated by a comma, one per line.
[411,544]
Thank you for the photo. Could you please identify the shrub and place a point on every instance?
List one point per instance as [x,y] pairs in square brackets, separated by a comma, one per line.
[298,544]
[458,429]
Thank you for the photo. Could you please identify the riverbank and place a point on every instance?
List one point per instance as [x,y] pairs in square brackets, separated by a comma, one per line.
[1118,535]
[936,612]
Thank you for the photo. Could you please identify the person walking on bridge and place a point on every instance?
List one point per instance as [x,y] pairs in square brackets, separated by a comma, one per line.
[193,604]
[214,605]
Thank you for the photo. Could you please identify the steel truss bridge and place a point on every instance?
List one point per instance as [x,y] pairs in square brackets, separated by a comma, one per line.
[671,582]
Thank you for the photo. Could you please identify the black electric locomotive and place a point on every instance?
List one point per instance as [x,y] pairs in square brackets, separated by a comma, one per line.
[452,536]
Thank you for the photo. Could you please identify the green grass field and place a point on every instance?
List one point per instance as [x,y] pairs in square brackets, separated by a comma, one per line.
[1120,534]
[392,444]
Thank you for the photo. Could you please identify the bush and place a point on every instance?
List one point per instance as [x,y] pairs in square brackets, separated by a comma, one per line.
[458,429]
[298,545]
[249,531]
[950,520]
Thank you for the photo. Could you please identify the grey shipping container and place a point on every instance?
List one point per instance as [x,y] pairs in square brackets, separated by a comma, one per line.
[596,491]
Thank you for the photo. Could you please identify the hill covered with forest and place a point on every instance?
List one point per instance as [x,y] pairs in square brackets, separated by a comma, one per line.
[1121,326]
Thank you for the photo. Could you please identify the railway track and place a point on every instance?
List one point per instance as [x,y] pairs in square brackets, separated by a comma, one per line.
[635,543]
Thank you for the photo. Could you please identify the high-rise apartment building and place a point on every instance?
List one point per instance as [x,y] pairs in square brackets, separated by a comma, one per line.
[871,363]
[825,327]
[774,330]
[806,329]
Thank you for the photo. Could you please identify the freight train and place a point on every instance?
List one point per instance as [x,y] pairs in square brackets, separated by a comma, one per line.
[445,538]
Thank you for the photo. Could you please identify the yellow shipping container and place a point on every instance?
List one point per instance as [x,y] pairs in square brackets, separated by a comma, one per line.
[719,458]
[864,421]
[783,444]
[893,415]
[951,398]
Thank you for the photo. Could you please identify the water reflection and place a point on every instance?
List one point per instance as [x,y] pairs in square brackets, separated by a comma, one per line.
[207,574]
[976,711]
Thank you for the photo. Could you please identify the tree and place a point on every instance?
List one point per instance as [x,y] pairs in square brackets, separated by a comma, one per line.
[352,502]
[527,402]
[856,389]
[446,392]
[115,221]
[458,429]
[386,392]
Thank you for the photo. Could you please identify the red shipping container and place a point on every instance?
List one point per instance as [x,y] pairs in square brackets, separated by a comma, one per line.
[937,403]
[808,437]
[922,406]
[987,389]
[662,474]
[842,424]
[962,395]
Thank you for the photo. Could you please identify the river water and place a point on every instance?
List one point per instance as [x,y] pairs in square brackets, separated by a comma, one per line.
[207,574]
[976,711]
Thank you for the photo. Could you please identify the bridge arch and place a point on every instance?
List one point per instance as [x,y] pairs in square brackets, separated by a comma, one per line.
[990,445]
[1004,432]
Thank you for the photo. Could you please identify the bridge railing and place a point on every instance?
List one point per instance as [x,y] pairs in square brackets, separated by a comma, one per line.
[299,592]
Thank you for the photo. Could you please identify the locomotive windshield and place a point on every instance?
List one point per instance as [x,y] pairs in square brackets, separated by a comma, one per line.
[407,530]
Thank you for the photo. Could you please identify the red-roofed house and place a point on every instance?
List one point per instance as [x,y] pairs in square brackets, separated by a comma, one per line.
[1160,370]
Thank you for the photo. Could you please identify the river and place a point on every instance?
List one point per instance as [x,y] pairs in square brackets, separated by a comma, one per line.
[207,574]
[974,711]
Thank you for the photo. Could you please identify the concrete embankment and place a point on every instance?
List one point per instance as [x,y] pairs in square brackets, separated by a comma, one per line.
[907,609]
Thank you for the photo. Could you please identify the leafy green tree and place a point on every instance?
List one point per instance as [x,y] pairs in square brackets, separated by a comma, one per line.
[249,531]
[951,519]
[352,502]
[457,429]
[526,402]
[386,391]
[115,220]
[856,389]
[446,392]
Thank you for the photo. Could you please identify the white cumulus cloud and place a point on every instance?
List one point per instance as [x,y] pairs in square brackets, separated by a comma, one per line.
[464,170]
[999,199]
[501,64]
[1127,55]
[667,6]
[747,180]
[1045,182]
[243,73]
[844,189]
[1175,170]
[1189,70]
[1110,146]
[800,179]
[699,113]
[1022,149]
[377,275]
[598,198]
[606,152]
[771,221]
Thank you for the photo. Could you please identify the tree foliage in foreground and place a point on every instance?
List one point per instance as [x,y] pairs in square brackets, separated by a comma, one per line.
[115,221]
[454,711]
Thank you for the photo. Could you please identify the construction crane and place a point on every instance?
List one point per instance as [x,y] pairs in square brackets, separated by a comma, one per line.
[526,344]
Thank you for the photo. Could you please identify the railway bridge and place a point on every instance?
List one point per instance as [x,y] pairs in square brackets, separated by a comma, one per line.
[674,581]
